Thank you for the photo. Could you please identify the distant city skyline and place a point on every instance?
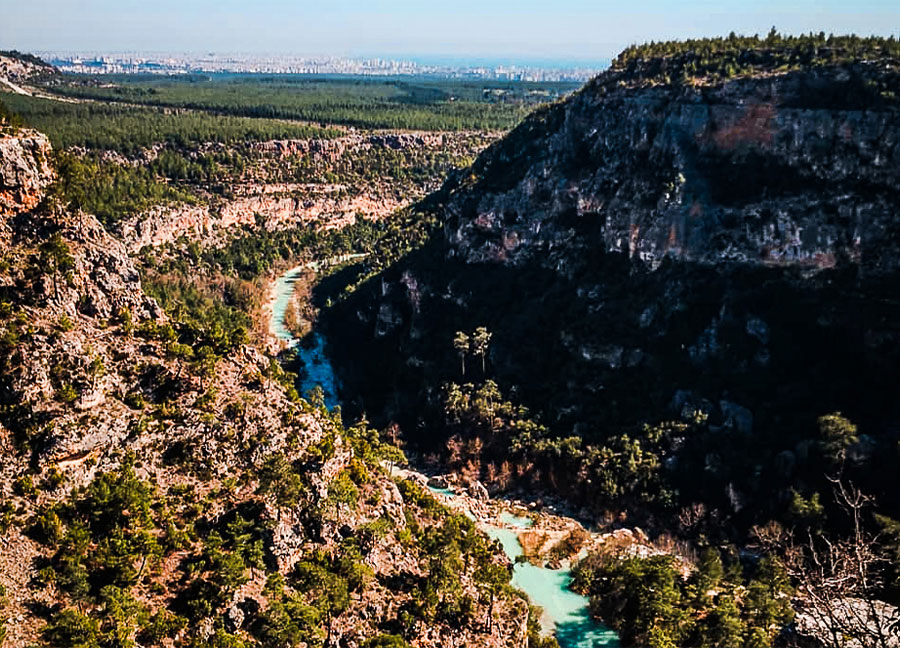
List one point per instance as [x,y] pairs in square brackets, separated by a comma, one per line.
[425,60]
[466,31]
[183,63]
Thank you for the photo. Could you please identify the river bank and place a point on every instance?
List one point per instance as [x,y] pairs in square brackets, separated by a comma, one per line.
[540,545]
[316,369]
[279,296]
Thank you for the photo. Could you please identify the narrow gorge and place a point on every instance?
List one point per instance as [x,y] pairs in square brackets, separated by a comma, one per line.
[565,613]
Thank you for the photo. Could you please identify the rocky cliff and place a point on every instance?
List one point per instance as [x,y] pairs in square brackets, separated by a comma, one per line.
[18,67]
[102,399]
[354,176]
[25,171]
[798,169]
[647,249]
[277,207]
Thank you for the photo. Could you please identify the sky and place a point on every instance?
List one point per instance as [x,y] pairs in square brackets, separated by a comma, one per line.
[514,30]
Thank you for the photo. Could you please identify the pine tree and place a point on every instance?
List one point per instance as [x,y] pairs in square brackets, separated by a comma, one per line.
[481,340]
[461,344]
[54,253]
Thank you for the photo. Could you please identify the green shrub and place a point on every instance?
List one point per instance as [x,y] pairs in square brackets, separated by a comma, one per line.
[66,393]
[24,486]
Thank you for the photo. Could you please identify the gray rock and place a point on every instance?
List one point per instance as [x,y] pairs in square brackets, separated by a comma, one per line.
[234,618]
[438,481]
[477,490]
[736,417]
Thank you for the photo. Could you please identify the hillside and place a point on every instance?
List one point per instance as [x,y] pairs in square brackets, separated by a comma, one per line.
[690,281]
[159,489]
[18,69]
[675,201]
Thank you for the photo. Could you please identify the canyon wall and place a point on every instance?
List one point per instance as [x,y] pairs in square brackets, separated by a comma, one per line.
[645,250]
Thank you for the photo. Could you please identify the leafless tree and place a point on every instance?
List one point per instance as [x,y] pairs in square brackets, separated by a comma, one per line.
[838,578]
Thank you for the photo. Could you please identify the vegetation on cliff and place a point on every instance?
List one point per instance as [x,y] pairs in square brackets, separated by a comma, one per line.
[717,59]
[638,365]
[136,563]
[168,484]
[113,191]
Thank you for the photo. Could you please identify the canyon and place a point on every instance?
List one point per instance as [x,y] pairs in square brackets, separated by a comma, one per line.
[256,200]
[647,335]
[671,247]
[92,394]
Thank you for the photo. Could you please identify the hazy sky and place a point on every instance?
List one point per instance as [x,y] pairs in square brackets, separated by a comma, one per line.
[589,30]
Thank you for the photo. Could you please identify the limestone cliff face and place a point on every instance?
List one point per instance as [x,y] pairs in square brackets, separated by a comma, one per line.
[643,249]
[25,171]
[783,170]
[277,204]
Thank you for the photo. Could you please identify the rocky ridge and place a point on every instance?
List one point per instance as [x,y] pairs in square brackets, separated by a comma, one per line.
[25,171]
[19,67]
[768,171]
[93,374]
[17,70]
[276,203]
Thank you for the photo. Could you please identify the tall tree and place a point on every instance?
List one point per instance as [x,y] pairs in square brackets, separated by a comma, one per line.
[461,344]
[838,434]
[206,364]
[327,591]
[54,253]
[481,340]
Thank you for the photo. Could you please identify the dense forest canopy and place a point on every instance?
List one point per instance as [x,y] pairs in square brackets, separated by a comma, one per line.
[733,55]
[426,104]
[127,129]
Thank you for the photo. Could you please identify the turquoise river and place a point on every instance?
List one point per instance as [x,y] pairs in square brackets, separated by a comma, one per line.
[565,612]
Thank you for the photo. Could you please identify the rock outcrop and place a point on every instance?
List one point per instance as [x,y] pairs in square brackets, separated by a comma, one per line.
[25,171]
[359,182]
[19,68]
[274,207]
[93,377]
[765,171]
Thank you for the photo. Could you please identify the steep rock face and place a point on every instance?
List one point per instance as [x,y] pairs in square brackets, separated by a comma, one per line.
[642,251]
[275,206]
[25,171]
[345,178]
[770,171]
[333,149]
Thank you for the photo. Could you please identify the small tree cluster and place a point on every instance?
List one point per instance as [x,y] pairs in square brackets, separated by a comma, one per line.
[477,343]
